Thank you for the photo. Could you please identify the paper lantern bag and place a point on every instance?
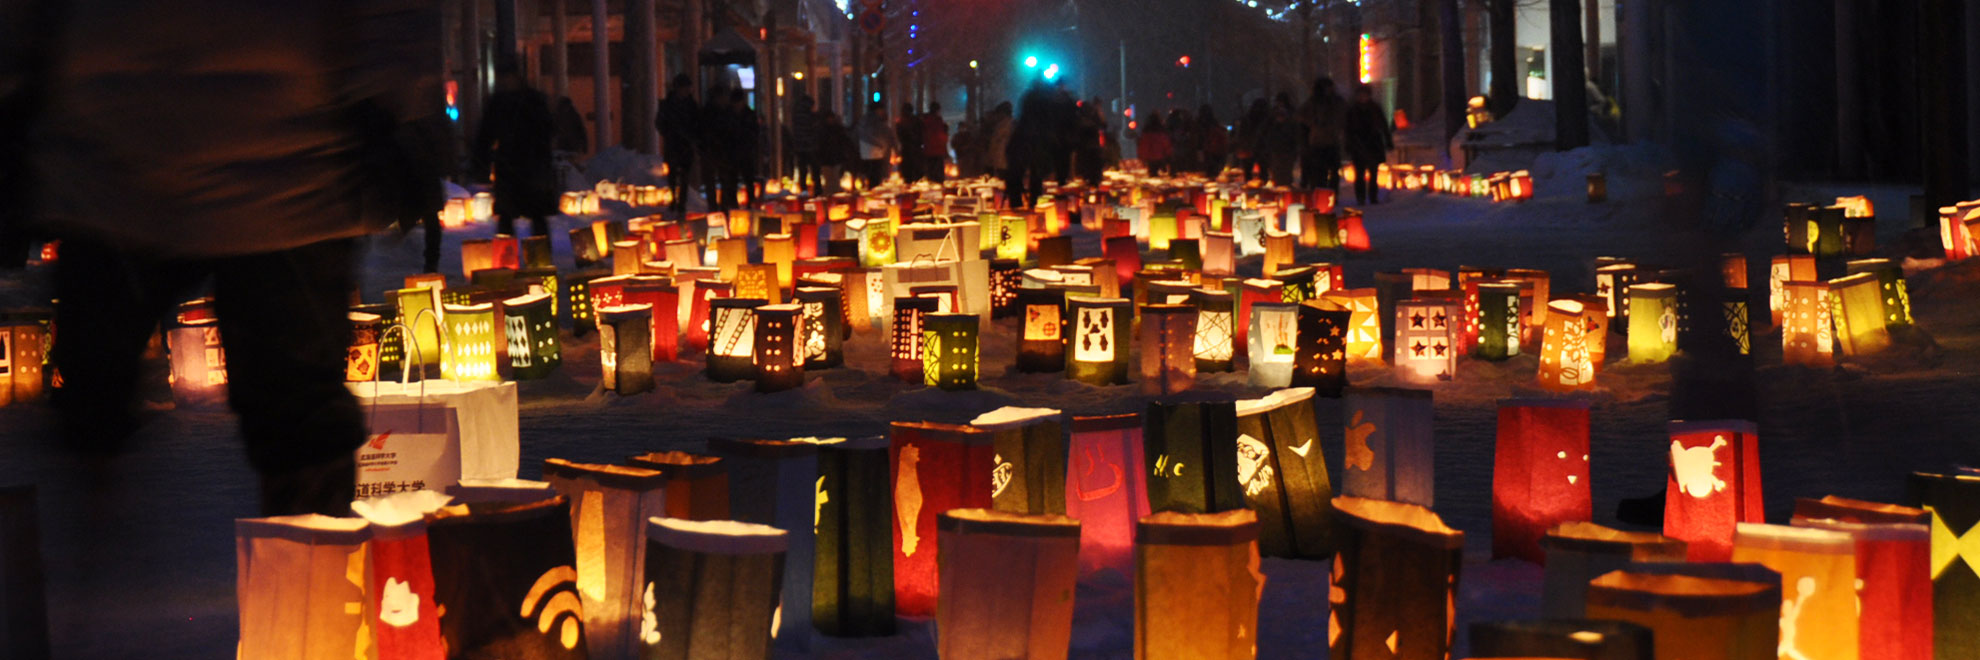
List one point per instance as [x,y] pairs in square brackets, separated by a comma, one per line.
[302,587]
[1564,638]
[504,572]
[1196,586]
[484,412]
[1713,485]
[853,588]
[1540,473]
[1388,452]
[1284,474]
[1818,615]
[1578,552]
[407,622]
[1007,584]
[609,508]
[1954,503]
[1696,611]
[711,589]
[1029,453]
[1106,489]
[775,482]
[1394,584]
[411,448]
[936,467]
[1191,455]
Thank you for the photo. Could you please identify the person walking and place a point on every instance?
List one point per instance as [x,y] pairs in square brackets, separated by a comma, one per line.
[997,131]
[712,125]
[1251,132]
[1282,141]
[1088,147]
[804,143]
[745,140]
[934,144]
[1030,149]
[907,141]
[513,148]
[876,144]
[1154,145]
[1323,114]
[679,122]
[835,151]
[1215,139]
[572,138]
[1366,136]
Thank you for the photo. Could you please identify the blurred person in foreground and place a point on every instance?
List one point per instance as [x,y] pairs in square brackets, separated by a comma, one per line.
[246,142]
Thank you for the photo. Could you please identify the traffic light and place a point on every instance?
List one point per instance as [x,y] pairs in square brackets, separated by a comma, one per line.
[1183,61]
[1031,61]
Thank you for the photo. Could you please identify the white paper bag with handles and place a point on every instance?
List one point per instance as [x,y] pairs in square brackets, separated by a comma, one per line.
[971,279]
[484,415]
[411,448]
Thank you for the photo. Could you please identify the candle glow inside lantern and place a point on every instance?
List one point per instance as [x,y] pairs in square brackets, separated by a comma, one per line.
[1212,346]
[1819,586]
[1029,451]
[906,347]
[853,586]
[1653,322]
[361,363]
[535,350]
[1564,637]
[419,309]
[1192,454]
[1566,361]
[303,587]
[1857,306]
[1784,269]
[1713,485]
[1394,584]
[936,467]
[1808,326]
[711,588]
[824,332]
[1168,342]
[199,364]
[1041,343]
[949,351]
[1197,586]
[1577,552]
[1364,333]
[1007,584]
[1895,295]
[1106,489]
[1499,324]
[610,505]
[1320,357]
[1893,553]
[1696,611]
[1540,473]
[472,334]
[1284,474]
[625,353]
[1389,453]
[775,353]
[1101,331]
[1425,339]
[732,339]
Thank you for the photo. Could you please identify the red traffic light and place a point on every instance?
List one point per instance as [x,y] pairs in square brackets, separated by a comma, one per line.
[1183,61]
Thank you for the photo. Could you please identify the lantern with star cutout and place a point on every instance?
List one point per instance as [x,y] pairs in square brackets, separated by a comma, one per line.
[1425,328]
[1197,585]
[1714,485]
[1098,346]
[1389,454]
[1539,473]
[1320,361]
[1394,584]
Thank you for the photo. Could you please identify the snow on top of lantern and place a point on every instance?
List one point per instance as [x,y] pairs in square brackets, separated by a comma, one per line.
[611,476]
[511,490]
[1262,283]
[362,317]
[1915,532]
[400,509]
[1399,516]
[1010,417]
[726,537]
[526,299]
[1567,306]
[1794,539]
[468,309]
[1277,398]
[1005,523]
[1689,589]
[1177,528]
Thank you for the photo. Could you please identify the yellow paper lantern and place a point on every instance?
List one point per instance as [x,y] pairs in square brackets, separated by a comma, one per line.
[1196,586]
[1007,582]
[1807,325]
[1696,611]
[1818,610]
[472,335]
[1653,322]
[1566,362]
[1857,306]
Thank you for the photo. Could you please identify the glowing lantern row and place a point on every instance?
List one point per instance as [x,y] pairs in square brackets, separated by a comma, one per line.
[1579,552]
[1191,455]
[1007,583]
[1713,485]
[1106,489]
[853,594]
[949,351]
[199,364]
[1284,475]
[610,506]
[1394,584]
[936,467]
[1197,586]
[1389,454]
[1953,501]
[1819,583]
[1425,339]
[1101,330]
[710,589]
[1168,343]
[774,348]
[1540,475]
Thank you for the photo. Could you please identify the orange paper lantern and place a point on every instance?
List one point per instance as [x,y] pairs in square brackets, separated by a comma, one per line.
[1394,586]
[1696,611]
[1196,586]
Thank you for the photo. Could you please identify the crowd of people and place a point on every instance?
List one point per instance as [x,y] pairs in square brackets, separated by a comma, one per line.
[1274,139]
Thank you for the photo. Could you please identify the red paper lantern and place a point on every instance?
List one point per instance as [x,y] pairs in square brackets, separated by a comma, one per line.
[936,467]
[1712,486]
[1539,473]
[1106,490]
[1893,557]
[665,299]
[1352,236]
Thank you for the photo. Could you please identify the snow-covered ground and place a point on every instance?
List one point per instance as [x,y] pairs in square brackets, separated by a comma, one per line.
[140,551]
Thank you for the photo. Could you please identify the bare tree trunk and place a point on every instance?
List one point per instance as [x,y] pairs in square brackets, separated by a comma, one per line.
[1505,65]
[1570,81]
[601,75]
[560,47]
[1450,26]
[1942,81]
[1594,38]
[644,67]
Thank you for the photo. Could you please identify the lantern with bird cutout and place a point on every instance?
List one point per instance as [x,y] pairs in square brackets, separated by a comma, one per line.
[1395,580]
[1283,472]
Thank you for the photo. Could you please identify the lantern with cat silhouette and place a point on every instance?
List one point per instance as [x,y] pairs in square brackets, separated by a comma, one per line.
[1098,347]
[1394,584]
[1007,584]
[1197,586]
[853,586]
[1696,611]
[1389,453]
[936,467]
[1106,489]
[1714,485]
[1577,552]
[710,588]
[1540,473]
[1283,472]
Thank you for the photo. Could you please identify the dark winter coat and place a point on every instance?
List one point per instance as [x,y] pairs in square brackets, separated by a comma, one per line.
[514,141]
[1366,133]
[1324,117]
[679,123]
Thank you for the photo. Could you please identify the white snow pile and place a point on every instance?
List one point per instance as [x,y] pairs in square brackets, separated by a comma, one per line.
[623,165]
[1626,165]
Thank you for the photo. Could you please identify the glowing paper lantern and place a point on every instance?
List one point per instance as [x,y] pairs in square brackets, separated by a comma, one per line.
[853,587]
[1612,282]
[486,253]
[1696,611]
[1101,331]
[759,281]
[1653,322]
[1567,638]
[1499,324]
[610,505]
[1539,473]
[361,360]
[1191,454]
[535,350]
[824,332]
[732,339]
[1808,328]
[1168,343]
[1219,254]
[1784,269]
[1106,489]
[1389,453]
[1041,343]
[199,364]
[1953,501]
[472,334]
[419,309]
[1213,342]
[775,482]
[1857,306]
[1007,584]
[1278,251]
[1425,339]
[1566,363]
[1714,485]
[1819,583]
[1578,552]
[302,587]
[776,352]
[700,318]
[1394,587]
[1893,292]
[1352,236]
[1364,333]
[1284,474]
[625,353]
[1196,586]
[1030,460]
[936,467]
[711,588]
[400,583]
[1126,254]
[908,335]
[949,351]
